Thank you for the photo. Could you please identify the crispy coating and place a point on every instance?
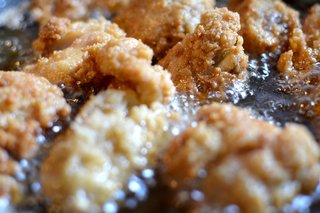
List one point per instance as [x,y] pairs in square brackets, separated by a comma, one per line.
[211,58]
[8,185]
[311,27]
[304,49]
[43,10]
[162,23]
[246,162]
[299,57]
[27,105]
[65,47]
[60,33]
[88,53]
[271,25]
[112,137]
[7,165]
[10,188]
[265,24]
[128,60]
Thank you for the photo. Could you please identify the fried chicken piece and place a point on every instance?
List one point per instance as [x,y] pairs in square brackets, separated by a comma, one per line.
[162,23]
[311,27]
[27,105]
[211,58]
[265,24]
[247,162]
[129,61]
[65,49]
[61,33]
[43,10]
[113,137]
[272,26]
[90,53]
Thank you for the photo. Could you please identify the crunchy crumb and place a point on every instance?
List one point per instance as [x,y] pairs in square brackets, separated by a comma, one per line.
[113,137]
[60,33]
[43,10]
[311,27]
[8,185]
[162,23]
[299,57]
[128,60]
[304,50]
[27,105]
[88,53]
[210,58]
[8,165]
[272,26]
[10,188]
[247,162]
[265,24]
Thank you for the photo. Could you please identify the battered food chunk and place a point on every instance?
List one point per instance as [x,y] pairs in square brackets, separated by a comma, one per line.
[311,27]
[65,49]
[129,62]
[43,10]
[235,159]
[112,137]
[61,33]
[27,105]
[211,58]
[97,51]
[162,23]
[265,24]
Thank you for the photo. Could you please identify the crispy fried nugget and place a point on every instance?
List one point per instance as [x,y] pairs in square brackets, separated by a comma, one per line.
[128,60]
[111,138]
[43,10]
[27,104]
[162,23]
[272,26]
[210,58]
[60,33]
[88,53]
[65,47]
[265,24]
[247,162]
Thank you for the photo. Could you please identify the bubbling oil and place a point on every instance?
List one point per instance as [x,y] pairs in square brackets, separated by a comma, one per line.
[268,96]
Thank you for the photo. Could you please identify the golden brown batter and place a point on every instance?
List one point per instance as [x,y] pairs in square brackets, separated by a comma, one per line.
[113,137]
[43,10]
[28,104]
[161,24]
[247,162]
[211,58]
[90,53]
